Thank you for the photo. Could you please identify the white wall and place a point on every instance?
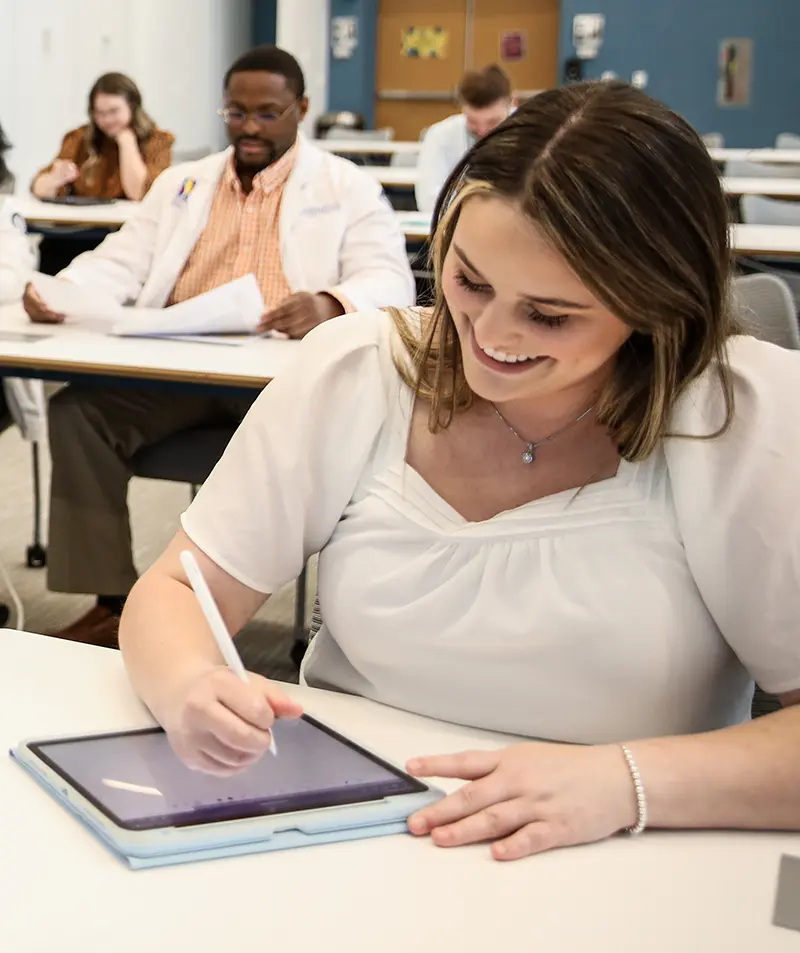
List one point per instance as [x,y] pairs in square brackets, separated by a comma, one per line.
[176,50]
[303,28]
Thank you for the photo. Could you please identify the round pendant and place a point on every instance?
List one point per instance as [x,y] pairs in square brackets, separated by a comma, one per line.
[528,456]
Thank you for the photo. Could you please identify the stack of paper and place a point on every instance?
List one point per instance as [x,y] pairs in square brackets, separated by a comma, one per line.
[233,308]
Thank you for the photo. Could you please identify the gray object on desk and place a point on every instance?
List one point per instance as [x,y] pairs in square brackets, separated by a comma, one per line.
[787,905]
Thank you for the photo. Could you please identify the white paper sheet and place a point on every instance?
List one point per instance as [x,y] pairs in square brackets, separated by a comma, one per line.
[233,308]
[82,303]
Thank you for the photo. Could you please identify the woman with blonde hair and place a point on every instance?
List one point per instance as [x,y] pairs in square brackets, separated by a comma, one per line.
[560,504]
[116,155]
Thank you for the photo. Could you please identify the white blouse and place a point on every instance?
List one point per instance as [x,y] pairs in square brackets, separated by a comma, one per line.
[643,606]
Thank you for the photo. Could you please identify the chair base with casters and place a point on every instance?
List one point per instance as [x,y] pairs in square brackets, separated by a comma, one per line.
[189,457]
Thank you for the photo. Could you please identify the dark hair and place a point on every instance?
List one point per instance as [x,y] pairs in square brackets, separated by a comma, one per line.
[481,88]
[116,84]
[625,191]
[270,59]
[5,145]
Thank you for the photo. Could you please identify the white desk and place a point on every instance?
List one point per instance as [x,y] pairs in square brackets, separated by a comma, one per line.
[771,188]
[416,225]
[396,177]
[776,156]
[71,351]
[780,241]
[362,147]
[112,215]
[661,893]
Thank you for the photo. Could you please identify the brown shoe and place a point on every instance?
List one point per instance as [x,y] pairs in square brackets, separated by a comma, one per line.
[97,627]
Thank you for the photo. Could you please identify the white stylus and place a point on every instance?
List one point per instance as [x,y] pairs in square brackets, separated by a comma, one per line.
[216,623]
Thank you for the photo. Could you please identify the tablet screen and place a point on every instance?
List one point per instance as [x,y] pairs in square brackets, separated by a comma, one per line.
[137,781]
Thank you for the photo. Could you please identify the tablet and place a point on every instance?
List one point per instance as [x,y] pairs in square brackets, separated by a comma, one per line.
[78,200]
[133,790]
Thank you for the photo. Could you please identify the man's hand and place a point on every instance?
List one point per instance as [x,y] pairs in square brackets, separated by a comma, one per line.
[37,310]
[301,313]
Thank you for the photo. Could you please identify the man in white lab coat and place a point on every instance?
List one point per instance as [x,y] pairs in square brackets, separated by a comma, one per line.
[321,240]
[486,100]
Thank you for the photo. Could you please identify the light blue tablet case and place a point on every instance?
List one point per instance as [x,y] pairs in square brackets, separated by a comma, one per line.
[326,826]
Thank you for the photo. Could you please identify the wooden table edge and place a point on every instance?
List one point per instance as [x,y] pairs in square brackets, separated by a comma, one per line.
[137,373]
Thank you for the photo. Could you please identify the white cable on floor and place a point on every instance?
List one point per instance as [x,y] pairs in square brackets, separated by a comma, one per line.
[19,610]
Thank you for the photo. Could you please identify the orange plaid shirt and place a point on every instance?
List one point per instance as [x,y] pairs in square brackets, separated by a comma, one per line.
[241,236]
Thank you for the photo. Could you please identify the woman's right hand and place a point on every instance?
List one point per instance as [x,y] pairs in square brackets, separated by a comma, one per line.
[221,725]
[36,308]
[64,172]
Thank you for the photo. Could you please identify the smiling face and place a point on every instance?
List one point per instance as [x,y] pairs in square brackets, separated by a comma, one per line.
[527,326]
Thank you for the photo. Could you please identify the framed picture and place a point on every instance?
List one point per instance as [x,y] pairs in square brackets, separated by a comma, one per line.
[513,46]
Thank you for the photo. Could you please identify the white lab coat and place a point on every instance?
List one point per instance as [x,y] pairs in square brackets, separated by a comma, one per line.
[25,398]
[337,233]
[444,145]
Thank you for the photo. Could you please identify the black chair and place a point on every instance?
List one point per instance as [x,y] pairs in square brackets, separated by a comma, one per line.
[189,457]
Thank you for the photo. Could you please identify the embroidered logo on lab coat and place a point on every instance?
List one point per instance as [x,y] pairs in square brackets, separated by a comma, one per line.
[186,189]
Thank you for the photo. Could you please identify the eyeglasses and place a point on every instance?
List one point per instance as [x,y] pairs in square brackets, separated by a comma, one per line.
[232,116]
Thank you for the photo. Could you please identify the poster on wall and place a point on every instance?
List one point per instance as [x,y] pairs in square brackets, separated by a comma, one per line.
[344,37]
[424,42]
[735,72]
[513,46]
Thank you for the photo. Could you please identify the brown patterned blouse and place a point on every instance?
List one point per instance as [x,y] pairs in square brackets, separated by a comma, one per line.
[102,179]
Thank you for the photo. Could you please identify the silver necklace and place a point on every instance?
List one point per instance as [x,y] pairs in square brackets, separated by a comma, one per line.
[531,446]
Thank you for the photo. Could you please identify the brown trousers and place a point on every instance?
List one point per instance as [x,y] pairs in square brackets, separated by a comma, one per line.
[94,432]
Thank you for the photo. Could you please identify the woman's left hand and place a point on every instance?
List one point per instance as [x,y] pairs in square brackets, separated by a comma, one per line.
[528,797]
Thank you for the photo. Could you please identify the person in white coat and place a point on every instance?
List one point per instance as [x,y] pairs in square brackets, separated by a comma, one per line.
[321,240]
[486,100]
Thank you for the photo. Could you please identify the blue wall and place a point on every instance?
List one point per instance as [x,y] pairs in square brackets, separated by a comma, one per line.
[677,41]
[265,18]
[351,83]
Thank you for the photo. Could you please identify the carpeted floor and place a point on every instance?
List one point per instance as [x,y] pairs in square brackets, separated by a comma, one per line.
[155,509]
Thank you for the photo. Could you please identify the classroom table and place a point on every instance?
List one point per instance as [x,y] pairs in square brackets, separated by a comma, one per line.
[780,241]
[774,241]
[70,352]
[111,215]
[755,185]
[392,177]
[362,147]
[61,890]
[416,226]
[774,156]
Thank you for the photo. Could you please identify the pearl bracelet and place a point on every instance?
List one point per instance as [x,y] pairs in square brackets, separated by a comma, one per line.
[641,797]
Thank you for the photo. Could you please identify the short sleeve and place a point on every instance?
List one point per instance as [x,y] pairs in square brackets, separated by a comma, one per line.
[736,500]
[157,154]
[290,470]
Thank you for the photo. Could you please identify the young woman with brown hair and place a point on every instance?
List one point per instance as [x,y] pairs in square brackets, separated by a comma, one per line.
[558,505]
[116,155]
